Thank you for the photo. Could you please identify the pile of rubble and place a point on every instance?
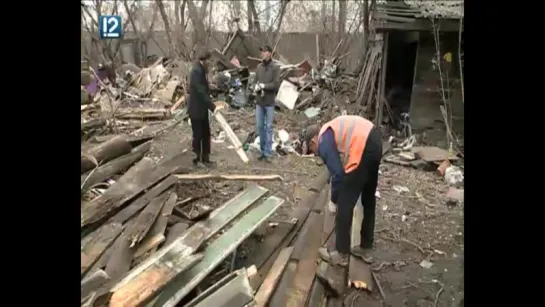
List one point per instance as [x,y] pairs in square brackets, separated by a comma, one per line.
[144,241]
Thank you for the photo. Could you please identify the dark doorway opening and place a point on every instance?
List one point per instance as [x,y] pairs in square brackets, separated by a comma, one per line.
[400,71]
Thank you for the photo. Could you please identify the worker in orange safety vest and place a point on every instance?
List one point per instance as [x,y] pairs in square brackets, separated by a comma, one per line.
[351,147]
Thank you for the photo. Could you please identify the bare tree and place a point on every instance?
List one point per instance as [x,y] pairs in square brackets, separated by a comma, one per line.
[342,18]
[171,46]
[197,20]
[142,37]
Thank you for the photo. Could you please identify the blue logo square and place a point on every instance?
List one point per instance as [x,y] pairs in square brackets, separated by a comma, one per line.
[110,26]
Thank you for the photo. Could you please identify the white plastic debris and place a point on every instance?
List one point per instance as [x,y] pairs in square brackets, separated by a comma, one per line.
[377,194]
[312,112]
[283,136]
[400,189]
[453,175]
[426,264]
[220,138]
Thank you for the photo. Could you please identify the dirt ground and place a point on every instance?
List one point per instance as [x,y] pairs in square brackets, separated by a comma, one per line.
[413,223]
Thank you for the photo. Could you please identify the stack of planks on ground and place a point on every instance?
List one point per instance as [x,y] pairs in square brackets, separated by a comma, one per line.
[164,276]
[290,272]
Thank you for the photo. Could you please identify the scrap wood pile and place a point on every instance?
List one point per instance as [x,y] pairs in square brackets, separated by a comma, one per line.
[129,98]
[311,88]
[142,244]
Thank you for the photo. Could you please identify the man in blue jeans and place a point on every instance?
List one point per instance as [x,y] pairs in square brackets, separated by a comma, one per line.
[267,84]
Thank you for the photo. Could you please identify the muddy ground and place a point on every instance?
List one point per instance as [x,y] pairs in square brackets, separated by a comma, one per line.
[413,223]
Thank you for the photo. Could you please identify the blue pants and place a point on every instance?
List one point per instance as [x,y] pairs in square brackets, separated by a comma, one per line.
[264,117]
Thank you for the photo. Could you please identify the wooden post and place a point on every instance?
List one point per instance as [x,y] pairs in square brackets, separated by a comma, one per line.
[380,96]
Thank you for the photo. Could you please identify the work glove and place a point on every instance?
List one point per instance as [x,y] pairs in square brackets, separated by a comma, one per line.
[332,207]
[261,86]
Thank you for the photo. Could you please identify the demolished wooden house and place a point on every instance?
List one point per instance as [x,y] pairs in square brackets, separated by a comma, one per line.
[419,45]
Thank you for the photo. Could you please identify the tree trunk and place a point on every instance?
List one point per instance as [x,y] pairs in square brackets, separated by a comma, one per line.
[334,17]
[197,19]
[280,19]
[161,7]
[106,151]
[342,18]
[249,4]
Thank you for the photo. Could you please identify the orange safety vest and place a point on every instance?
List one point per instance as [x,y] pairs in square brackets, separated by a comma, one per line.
[351,134]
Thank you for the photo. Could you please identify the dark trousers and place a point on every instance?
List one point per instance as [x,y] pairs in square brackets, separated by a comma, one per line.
[201,137]
[363,180]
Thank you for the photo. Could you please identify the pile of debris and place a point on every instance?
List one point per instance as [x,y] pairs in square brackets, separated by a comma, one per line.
[312,88]
[140,241]
[146,240]
[132,97]
[445,163]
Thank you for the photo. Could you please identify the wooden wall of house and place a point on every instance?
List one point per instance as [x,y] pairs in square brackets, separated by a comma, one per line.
[426,96]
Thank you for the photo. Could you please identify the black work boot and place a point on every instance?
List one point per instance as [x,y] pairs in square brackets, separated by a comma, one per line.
[261,157]
[366,254]
[333,257]
[207,162]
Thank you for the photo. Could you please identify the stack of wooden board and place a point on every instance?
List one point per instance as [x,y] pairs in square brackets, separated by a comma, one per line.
[130,224]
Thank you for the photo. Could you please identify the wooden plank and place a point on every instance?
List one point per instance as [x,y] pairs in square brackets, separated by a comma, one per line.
[231,136]
[91,211]
[359,272]
[306,265]
[146,219]
[233,291]
[147,284]
[120,259]
[109,169]
[194,237]
[301,212]
[317,294]
[92,281]
[149,245]
[229,177]
[217,251]
[334,278]
[138,178]
[96,245]
[175,231]
[269,245]
[126,213]
[269,284]
[156,236]
[445,25]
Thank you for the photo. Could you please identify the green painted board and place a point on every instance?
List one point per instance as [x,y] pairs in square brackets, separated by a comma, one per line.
[216,252]
[234,292]
[193,237]
[232,208]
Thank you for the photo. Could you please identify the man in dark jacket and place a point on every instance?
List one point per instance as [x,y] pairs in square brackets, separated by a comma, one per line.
[268,81]
[199,104]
